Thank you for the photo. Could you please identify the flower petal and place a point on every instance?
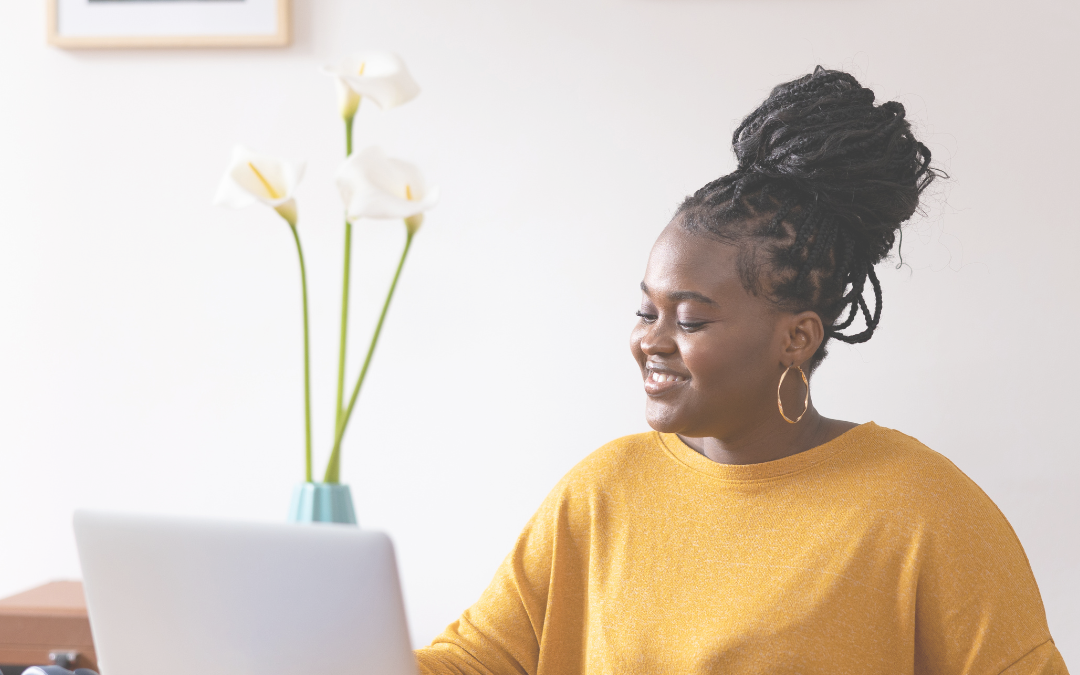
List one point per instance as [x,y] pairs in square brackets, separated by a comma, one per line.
[373,185]
[380,76]
[254,178]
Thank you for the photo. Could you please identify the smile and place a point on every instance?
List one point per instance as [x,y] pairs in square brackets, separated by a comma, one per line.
[658,382]
[657,376]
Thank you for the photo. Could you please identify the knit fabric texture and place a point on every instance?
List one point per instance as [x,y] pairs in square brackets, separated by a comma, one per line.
[868,554]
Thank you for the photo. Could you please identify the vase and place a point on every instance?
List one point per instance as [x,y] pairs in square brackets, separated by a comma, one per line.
[322,503]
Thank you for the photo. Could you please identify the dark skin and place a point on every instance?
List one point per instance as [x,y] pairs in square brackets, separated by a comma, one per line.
[711,355]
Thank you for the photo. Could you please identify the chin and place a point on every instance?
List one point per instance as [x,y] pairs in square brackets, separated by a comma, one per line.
[664,421]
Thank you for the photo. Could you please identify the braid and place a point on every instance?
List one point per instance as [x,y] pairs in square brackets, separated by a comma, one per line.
[859,302]
[824,180]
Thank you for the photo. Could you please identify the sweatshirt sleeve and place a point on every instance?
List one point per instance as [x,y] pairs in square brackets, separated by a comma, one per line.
[1043,660]
[978,608]
[501,633]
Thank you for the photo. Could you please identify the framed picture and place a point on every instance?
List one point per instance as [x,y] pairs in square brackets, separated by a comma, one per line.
[107,24]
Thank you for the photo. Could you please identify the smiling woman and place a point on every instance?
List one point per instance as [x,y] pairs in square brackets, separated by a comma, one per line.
[749,534]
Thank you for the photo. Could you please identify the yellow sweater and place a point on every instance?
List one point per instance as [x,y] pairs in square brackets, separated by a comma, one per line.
[869,554]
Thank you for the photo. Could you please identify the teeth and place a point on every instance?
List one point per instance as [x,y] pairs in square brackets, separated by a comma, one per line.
[662,377]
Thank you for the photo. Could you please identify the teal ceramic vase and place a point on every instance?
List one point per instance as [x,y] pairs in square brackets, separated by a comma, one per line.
[322,503]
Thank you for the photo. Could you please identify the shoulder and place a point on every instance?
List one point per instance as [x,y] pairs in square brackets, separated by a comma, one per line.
[626,458]
[971,568]
[613,471]
[925,489]
[904,468]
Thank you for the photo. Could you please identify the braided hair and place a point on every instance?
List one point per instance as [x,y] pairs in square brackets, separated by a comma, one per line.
[824,180]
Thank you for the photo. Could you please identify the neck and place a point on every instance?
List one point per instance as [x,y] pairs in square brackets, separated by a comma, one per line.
[770,440]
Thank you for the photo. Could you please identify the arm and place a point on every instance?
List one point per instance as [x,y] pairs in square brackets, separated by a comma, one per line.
[978,608]
[499,635]
[502,633]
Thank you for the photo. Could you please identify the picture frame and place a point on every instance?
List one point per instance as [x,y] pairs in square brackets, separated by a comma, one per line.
[120,24]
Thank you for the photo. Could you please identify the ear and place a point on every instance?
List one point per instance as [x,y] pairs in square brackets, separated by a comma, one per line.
[803,335]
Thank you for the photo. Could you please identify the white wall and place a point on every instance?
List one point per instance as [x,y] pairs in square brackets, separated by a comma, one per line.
[150,342]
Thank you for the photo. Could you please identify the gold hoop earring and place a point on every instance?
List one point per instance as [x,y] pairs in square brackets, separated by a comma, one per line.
[806,401]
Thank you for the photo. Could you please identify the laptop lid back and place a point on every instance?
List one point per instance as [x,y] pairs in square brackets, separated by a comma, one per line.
[177,596]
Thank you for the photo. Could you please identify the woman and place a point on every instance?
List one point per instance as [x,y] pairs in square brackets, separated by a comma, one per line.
[748,534]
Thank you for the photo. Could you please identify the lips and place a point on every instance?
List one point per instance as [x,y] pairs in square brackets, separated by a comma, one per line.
[661,380]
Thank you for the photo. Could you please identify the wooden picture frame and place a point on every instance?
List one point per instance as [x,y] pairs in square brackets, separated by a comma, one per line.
[126,24]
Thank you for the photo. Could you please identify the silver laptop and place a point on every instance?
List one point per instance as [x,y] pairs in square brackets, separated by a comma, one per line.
[174,596]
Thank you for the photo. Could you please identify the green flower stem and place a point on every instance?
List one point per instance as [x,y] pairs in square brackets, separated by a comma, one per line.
[348,134]
[333,468]
[344,327]
[307,359]
[339,409]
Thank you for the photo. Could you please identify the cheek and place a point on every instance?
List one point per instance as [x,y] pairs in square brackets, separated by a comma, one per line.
[724,363]
[706,362]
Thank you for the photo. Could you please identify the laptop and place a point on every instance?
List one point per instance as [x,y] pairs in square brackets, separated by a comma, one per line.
[174,596]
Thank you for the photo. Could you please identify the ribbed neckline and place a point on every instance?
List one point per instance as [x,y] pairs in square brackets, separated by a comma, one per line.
[684,454]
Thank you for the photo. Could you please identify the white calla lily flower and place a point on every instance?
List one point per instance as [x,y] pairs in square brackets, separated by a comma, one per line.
[253,178]
[380,76]
[376,186]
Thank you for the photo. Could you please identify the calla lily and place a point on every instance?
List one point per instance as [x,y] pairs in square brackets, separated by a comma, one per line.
[380,76]
[253,178]
[376,186]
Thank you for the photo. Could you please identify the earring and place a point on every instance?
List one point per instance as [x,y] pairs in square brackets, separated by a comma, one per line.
[806,401]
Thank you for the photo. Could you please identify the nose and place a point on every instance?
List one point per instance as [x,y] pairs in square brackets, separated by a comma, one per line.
[657,339]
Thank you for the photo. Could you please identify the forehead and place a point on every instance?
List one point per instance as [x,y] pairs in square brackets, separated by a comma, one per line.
[684,261]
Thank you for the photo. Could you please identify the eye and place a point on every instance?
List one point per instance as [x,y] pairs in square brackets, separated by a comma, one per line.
[691,326]
[645,318]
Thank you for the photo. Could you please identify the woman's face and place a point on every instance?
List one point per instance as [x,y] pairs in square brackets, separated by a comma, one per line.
[709,351]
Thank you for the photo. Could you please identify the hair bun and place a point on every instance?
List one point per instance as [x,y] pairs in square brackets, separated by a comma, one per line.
[823,136]
[825,179]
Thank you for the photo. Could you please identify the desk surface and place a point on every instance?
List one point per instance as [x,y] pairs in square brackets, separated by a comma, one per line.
[63,598]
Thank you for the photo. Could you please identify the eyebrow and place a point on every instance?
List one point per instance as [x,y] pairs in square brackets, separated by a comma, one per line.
[683,295]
